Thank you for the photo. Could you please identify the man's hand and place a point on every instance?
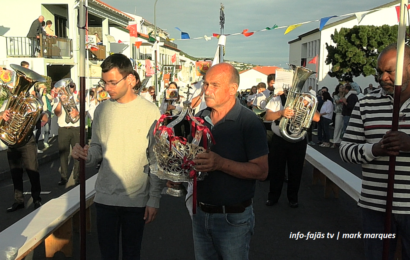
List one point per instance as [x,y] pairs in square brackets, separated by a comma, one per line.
[150,214]
[6,115]
[208,161]
[391,144]
[74,113]
[79,152]
[288,112]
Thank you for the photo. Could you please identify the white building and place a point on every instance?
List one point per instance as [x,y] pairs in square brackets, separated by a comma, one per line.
[312,43]
[251,77]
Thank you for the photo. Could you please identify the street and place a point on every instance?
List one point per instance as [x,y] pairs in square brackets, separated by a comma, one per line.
[308,232]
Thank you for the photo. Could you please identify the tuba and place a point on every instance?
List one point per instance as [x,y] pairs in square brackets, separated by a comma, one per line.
[304,105]
[261,107]
[25,110]
[66,97]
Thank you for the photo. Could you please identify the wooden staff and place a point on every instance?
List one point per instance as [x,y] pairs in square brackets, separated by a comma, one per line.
[82,20]
[395,122]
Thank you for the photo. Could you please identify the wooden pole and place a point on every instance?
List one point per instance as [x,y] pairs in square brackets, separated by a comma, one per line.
[395,123]
[81,66]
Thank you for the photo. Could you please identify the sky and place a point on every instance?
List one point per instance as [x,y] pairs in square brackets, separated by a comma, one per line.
[268,48]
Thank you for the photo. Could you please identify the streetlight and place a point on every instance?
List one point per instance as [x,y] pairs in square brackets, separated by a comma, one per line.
[155,51]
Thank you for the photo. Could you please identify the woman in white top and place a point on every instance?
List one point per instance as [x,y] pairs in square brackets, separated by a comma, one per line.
[326,114]
[251,97]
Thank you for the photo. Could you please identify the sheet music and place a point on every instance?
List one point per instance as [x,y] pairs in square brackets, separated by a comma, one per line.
[283,79]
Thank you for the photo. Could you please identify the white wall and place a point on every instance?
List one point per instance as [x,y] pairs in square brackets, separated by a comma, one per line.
[251,78]
[377,18]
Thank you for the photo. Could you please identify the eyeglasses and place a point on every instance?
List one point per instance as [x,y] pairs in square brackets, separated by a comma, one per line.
[103,84]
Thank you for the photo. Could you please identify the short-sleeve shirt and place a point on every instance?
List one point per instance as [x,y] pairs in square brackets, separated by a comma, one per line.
[240,136]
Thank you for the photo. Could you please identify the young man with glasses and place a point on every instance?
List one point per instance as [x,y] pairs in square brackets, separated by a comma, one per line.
[127,197]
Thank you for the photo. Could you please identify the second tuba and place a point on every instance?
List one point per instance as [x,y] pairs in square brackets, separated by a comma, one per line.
[303,104]
[25,110]
[66,97]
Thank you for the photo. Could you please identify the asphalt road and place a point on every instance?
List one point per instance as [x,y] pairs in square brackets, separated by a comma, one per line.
[169,237]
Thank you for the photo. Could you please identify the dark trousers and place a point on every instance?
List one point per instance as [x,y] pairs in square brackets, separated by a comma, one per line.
[34,44]
[324,133]
[68,136]
[292,156]
[269,135]
[373,223]
[47,131]
[24,156]
[113,221]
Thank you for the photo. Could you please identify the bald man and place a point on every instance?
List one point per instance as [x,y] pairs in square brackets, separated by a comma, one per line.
[34,33]
[224,222]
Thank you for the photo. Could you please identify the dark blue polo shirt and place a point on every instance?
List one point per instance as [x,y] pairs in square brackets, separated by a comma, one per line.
[240,136]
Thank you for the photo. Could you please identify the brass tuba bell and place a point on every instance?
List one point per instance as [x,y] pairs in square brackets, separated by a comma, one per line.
[303,104]
[66,97]
[25,110]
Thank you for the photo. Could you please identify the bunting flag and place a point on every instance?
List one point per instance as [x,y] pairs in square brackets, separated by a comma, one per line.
[314,60]
[324,20]
[246,33]
[289,28]
[119,41]
[174,58]
[138,44]
[149,68]
[170,39]
[133,30]
[273,27]
[360,16]
[292,27]
[398,12]
[151,39]
[184,35]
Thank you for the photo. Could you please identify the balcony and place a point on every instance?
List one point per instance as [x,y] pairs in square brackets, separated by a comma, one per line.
[144,56]
[46,47]
[168,43]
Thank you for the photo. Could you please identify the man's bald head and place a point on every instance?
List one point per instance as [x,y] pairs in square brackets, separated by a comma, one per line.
[229,69]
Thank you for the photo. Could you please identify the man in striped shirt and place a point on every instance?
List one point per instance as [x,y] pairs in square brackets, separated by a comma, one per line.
[369,141]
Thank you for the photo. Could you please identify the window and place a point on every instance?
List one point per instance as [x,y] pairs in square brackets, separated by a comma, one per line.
[60,25]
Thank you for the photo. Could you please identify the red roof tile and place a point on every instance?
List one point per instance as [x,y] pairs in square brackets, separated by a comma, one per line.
[266,69]
[113,9]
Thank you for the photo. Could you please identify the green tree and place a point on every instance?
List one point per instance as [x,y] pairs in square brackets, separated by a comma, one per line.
[356,50]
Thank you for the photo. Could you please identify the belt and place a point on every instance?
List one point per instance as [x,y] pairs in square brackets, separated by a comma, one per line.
[68,127]
[239,208]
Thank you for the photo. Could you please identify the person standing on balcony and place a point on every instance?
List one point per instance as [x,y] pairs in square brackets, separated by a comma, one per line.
[48,29]
[34,33]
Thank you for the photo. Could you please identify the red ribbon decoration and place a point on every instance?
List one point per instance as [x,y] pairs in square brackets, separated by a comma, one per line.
[187,164]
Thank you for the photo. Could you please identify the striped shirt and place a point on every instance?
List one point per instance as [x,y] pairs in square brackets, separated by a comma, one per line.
[370,120]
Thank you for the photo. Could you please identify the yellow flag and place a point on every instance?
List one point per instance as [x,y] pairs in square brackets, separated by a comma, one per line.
[292,27]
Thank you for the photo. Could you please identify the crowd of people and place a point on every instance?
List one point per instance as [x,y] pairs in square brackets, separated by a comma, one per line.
[249,146]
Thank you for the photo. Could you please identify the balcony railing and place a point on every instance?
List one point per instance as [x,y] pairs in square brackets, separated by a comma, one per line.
[47,47]
[168,43]
[144,56]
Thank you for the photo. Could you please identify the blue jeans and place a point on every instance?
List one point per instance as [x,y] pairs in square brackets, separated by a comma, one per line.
[113,221]
[324,122]
[373,223]
[223,236]
[345,123]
